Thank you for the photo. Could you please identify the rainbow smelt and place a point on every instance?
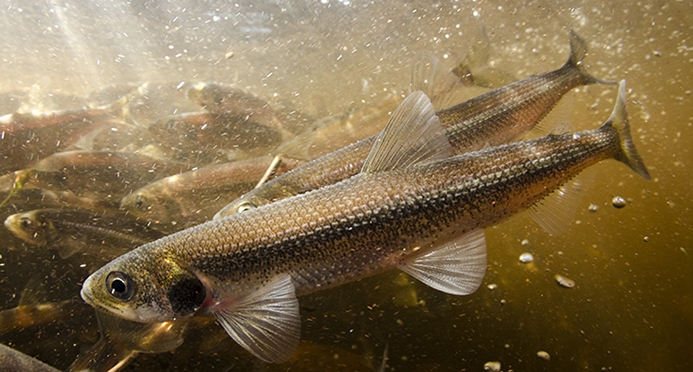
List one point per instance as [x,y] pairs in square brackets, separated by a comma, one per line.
[412,207]
[491,119]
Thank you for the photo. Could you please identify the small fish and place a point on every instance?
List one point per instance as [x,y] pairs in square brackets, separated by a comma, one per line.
[211,132]
[28,137]
[230,100]
[412,208]
[30,315]
[200,192]
[496,117]
[335,132]
[103,175]
[72,231]
[22,121]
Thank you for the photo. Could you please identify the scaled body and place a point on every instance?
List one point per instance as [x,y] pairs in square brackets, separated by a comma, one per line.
[411,208]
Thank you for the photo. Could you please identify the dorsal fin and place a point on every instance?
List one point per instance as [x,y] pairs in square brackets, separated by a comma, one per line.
[412,136]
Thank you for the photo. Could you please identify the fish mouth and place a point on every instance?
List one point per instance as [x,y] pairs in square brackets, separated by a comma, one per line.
[86,294]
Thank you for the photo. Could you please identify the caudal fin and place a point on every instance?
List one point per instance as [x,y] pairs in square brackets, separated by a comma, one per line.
[578,51]
[619,121]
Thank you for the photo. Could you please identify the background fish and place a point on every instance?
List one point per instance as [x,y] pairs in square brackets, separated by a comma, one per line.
[411,208]
[72,231]
[201,192]
[496,117]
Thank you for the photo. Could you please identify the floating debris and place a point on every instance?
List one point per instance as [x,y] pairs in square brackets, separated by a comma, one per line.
[492,286]
[564,282]
[492,366]
[618,202]
[526,258]
[593,208]
[543,355]
[525,242]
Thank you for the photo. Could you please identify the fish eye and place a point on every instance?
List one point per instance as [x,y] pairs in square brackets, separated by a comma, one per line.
[25,223]
[120,286]
[245,206]
[140,203]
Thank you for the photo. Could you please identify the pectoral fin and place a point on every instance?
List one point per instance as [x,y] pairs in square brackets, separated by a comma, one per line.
[456,266]
[266,323]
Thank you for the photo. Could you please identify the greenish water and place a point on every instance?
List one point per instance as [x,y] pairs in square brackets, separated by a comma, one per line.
[632,306]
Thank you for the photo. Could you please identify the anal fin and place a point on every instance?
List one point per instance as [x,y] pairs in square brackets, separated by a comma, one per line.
[456,266]
[556,211]
[267,323]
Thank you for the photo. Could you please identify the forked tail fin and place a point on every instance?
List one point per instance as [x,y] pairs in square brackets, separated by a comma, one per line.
[578,51]
[619,121]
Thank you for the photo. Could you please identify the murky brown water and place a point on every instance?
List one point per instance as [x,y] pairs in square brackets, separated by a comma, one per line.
[632,306]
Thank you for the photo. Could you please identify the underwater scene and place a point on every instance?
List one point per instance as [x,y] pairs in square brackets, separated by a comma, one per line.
[344,185]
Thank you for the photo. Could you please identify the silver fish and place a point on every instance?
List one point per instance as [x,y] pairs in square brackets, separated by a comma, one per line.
[412,208]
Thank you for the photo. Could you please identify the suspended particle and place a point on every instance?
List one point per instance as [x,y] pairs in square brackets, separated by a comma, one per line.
[492,286]
[492,366]
[564,282]
[593,208]
[543,355]
[618,202]
[526,258]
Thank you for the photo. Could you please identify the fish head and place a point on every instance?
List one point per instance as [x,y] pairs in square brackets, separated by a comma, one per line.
[149,206]
[144,288]
[31,227]
[239,205]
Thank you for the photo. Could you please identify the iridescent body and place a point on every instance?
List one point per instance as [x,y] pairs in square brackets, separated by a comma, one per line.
[412,208]
[496,117]
[201,130]
[72,231]
[201,191]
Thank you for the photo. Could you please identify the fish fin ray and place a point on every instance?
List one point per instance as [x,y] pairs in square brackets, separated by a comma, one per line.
[412,136]
[475,69]
[68,247]
[619,121]
[297,148]
[266,323]
[557,210]
[443,87]
[555,120]
[457,266]
[578,52]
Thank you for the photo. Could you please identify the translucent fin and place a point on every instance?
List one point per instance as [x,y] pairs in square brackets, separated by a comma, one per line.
[475,69]
[412,136]
[554,122]
[456,266]
[68,247]
[619,121]
[441,85]
[578,51]
[266,323]
[297,148]
[34,292]
[556,211]
[158,337]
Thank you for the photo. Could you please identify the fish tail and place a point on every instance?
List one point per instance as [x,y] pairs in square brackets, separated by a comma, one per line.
[618,121]
[578,51]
